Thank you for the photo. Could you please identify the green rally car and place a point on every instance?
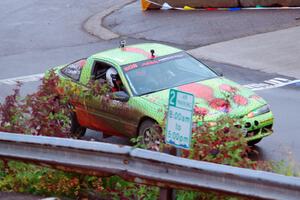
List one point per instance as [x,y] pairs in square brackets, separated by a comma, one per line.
[140,77]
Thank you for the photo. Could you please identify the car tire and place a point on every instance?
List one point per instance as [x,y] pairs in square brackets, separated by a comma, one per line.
[149,137]
[76,130]
[254,142]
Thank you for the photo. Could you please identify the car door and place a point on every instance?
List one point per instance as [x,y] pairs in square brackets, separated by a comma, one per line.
[106,114]
[73,73]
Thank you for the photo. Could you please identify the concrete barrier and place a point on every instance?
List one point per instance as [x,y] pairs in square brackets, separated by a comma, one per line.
[200,3]
[156,4]
[270,3]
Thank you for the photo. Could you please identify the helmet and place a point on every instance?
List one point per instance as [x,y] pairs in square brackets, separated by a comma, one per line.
[110,73]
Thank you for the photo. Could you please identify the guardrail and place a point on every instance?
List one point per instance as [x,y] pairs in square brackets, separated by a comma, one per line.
[146,167]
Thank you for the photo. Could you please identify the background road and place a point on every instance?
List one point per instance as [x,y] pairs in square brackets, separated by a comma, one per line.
[36,35]
[197,28]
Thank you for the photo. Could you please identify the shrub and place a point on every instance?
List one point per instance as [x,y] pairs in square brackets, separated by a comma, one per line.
[11,113]
[44,112]
[22,177]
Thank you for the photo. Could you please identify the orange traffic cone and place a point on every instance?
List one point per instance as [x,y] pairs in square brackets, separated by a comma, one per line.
[145,5]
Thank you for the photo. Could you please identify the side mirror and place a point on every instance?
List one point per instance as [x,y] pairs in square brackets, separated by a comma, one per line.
[120,96]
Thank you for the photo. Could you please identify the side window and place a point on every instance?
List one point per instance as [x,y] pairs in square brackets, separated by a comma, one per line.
[106,73]
[99,70]
[73,70]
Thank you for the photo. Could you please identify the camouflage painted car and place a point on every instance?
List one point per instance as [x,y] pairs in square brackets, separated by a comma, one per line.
[147,72]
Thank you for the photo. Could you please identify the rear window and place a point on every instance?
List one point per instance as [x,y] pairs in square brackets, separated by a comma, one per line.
[73,70]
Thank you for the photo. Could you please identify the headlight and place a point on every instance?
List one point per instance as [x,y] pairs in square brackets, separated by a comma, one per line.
[262,110]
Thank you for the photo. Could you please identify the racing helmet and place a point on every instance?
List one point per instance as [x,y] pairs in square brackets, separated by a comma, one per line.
[111,73]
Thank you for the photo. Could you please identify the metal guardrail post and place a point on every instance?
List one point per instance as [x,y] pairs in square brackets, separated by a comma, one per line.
[165,194]
[168,193]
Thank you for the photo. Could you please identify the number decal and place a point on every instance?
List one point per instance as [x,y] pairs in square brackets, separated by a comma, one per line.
[173,98]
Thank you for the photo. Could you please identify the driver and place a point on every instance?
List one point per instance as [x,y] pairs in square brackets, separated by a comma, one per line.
[113,80]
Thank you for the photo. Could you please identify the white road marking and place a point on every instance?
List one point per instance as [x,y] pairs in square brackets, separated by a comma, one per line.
[277,86]
[282,79]
[273,82]
[22,79]
[256,85]
[268,84]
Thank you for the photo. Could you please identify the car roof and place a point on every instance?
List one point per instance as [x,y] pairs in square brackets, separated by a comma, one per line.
[135,53]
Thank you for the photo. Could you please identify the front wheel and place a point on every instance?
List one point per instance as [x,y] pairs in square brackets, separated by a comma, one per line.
[76,130]
[151,134]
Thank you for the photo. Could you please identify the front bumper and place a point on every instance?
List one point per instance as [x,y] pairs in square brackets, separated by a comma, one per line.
[259,126]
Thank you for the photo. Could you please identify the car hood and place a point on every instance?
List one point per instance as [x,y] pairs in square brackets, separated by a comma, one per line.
[214,97]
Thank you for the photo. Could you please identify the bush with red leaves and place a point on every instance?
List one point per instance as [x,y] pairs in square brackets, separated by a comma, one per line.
[44,112]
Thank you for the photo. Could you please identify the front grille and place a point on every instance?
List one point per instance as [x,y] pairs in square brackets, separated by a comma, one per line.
[263,130]
[252,133]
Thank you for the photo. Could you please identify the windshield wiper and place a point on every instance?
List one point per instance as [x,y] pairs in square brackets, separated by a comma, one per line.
[148,92]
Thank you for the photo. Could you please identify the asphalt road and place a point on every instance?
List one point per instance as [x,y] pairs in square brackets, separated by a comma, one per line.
[35,36]
[197,28]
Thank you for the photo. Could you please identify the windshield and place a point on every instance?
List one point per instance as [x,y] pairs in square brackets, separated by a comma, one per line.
[165,72]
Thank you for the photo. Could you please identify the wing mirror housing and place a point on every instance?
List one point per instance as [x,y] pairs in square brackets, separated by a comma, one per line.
[120,96]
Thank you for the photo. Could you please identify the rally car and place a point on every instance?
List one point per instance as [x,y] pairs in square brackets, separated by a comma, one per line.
[141,76]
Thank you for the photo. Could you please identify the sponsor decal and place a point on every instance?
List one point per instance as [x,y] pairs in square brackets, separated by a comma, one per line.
[130,67]
[150,63]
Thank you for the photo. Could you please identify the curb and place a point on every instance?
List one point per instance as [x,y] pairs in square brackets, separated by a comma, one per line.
[94,24]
